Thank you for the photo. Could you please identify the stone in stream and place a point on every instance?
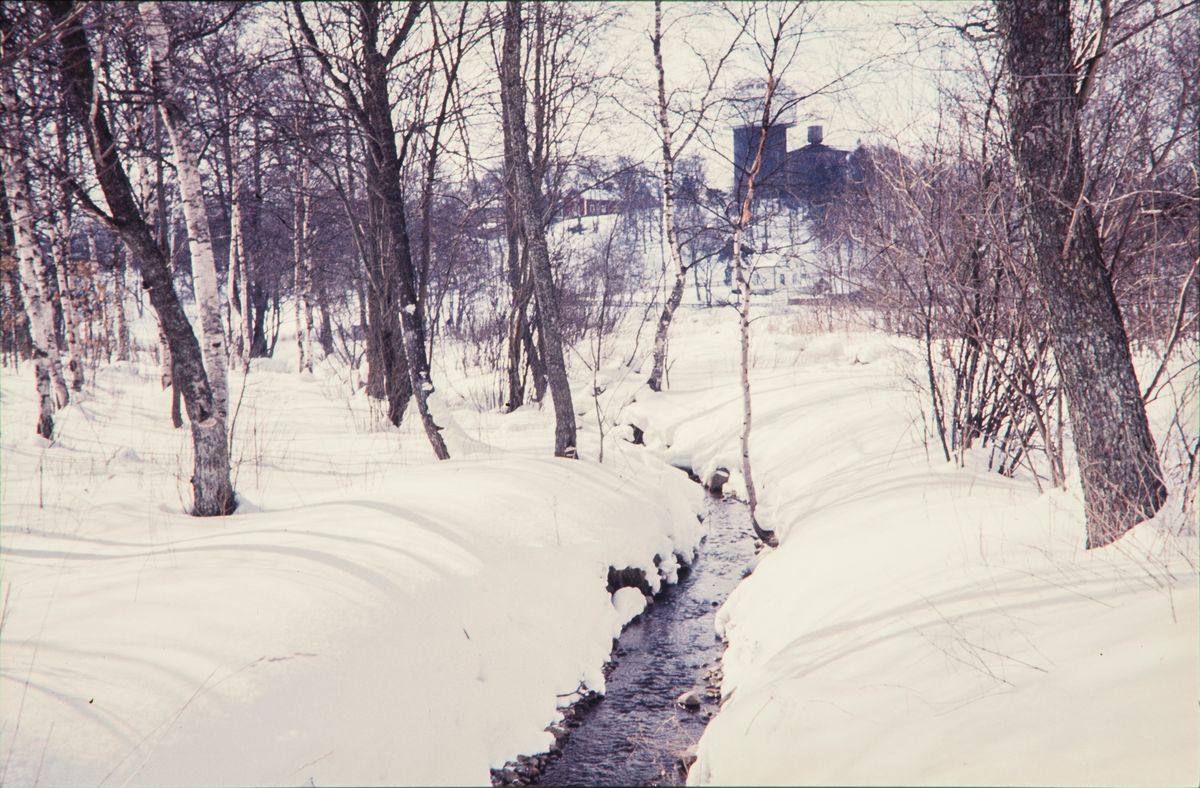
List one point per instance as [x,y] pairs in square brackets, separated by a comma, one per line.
[688,757]
[716,482]
[689,700]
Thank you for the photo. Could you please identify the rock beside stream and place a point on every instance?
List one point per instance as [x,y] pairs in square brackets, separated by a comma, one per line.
[526,769]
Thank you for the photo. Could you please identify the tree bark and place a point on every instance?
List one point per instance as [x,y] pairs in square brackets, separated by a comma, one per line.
[124,340]
[1118,461]
[210,480]
[60,247]
[528,196]
[191,193]
[397,276]
[743,283]
[302,206]
[670,234]
[60,243]
[29,257]
[235,270]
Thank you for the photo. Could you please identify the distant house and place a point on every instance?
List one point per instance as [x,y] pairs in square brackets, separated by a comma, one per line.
[768,272]
[592,202]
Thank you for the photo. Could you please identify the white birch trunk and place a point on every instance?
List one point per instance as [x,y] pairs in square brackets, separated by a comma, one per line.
[247,322]
[51,388]
[120,266]
[670,235]
[235,273]
[60,247]
[303,282]
[204,270]
[742,278]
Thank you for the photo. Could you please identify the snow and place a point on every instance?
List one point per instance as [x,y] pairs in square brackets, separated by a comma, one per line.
[371,616]
[921,623]
[368,616]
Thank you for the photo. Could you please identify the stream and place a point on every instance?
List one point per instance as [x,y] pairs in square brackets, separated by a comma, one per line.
[634,735]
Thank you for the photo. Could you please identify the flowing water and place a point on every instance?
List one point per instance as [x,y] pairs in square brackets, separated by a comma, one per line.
[636,733]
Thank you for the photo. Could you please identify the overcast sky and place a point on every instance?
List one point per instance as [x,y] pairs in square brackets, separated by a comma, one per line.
[873,67]
[887,60]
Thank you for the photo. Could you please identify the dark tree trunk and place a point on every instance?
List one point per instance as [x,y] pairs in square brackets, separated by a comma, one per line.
[397,279]
[210,480]
[259,301]
[1118,462]
[529,202]
[536,352]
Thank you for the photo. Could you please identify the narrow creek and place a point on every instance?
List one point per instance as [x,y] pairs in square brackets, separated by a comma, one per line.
[634,735]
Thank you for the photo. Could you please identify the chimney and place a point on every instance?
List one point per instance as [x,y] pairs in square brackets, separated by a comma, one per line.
[814,135]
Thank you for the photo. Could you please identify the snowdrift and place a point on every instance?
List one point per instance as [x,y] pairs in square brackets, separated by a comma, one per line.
[417,626]
[923,624]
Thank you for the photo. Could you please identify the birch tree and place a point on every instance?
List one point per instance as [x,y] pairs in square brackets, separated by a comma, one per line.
[213,492]
[51,389]
[783,29]
[528,199]
[237,273]
[59,207]
[301,210]
[394,277]
[191,192]
[672,147]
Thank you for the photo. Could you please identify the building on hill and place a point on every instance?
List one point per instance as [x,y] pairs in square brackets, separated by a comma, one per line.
[592,202]
[811,175]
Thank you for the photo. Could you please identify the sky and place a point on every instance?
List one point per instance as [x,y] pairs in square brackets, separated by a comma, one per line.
[873,68]
[869,72]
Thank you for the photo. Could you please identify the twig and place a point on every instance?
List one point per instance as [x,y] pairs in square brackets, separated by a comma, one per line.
[1176,331]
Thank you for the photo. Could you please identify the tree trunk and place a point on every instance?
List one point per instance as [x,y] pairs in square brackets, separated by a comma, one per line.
[191,192]
[384,173]
[210,480]
[160,224]
[1118,461]
[536,352]
[60,243]
[302,206]
[743,282]
[518,322]
[60,247]
[124,340]
[235,273]
[29,258]
[670,235]
[528,196]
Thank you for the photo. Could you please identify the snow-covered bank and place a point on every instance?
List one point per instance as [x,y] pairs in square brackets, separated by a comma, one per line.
[370,616]
[921,623]
[362,620]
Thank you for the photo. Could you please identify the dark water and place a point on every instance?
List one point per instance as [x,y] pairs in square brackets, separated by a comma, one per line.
[635,734]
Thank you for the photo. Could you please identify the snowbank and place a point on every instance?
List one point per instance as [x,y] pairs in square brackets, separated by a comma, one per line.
[921,623]
[361,620]
[372,617]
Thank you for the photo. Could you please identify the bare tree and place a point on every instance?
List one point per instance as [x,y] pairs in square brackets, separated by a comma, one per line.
[187,168]
[1118,462]
[32,271]
[394,278]
[674,142]
[58,205]
[210,480]
[777,48]
[528,199]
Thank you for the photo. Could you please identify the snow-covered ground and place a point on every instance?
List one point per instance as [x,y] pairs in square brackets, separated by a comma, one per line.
[921,623]
[370,616]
